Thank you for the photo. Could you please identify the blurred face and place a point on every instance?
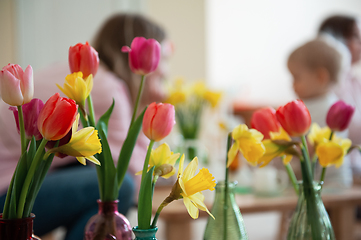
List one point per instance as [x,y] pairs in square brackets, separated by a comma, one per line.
[306,82]
[354,44]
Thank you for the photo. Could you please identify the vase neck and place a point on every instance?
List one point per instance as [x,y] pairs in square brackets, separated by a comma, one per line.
[107,207]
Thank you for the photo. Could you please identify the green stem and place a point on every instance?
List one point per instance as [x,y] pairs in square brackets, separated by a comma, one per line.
[91,111]
[225,208]
[306,155]
[323,174]
[22,129]
[29,178]
[146,161]
[314,161]
[292,176]
[137,100]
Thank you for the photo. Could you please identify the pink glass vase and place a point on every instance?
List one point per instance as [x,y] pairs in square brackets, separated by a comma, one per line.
[108,224]
[17,229]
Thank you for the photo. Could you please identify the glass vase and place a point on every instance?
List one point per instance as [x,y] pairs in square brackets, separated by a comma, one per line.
[229,218]
[300,228]
[17,229]
[145,234]
[195,148]
[108,224]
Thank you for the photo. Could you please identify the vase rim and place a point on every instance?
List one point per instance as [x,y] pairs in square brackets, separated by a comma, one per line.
[114,201]
[32,216]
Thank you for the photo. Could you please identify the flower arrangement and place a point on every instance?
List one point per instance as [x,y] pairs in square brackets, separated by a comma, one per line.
[271,138]
[45,130]
[156,121]
[190,100]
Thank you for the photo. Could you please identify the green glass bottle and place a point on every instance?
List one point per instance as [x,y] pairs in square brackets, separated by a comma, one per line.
[299,228]
[230,217]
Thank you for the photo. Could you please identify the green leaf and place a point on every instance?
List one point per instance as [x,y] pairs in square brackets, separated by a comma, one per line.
[145,201]
[31,152]
[128,147]
[38,181]
[108,169]
[104,119]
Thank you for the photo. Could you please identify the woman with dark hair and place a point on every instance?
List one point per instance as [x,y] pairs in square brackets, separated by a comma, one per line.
[68,195]
[347,29]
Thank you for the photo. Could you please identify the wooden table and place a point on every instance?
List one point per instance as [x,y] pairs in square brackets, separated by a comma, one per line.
[341,206]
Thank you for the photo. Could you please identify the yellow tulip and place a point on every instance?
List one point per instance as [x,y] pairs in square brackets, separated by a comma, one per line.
[191,185]
[77,88]
[332,152]
[248,142]
[82,145]
[163,160]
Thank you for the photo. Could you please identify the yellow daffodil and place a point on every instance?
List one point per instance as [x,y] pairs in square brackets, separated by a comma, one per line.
[77,88]
[212,97]
[248,142]
[318,135]
[198,89]
[82,145]
[163,160]
[274,150]
[332,152]
[191,186]
[176,97]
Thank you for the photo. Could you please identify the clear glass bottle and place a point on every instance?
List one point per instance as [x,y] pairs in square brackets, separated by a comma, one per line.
[300,228]
[230,217]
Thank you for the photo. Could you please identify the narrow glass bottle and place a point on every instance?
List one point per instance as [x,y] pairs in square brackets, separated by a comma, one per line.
[229,217]
[299,228]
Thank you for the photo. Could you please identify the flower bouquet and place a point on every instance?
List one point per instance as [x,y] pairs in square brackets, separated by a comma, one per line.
[157,124]
[190,101]
[271,138]
[45,130]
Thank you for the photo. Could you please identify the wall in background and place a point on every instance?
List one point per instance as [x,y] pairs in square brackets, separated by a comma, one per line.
[46,29]
[248,43]
[7,30]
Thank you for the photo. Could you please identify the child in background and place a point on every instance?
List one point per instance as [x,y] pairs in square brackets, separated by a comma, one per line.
[316,67]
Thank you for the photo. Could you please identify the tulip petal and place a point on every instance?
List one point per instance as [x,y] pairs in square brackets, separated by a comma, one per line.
[27,85]
[10,89]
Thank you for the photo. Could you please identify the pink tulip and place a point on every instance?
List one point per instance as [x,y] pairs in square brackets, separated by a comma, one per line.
[31,112]
[57,117]
[158,120]
[144,55]
[294,117]
[265,121]
[83,58]
[16,86]
[339,116]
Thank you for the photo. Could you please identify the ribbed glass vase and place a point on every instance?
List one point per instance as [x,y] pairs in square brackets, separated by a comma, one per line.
[300,227]
[229,218]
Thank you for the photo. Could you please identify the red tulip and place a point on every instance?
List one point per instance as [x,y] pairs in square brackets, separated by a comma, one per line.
[339,116]
[57,116]
[83,58]
[158,120]
[144,55]
[31,112]
[16,86]
[265,121]
[294,117]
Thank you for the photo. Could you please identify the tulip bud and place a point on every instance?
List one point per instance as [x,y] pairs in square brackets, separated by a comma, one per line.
[83,58]
[339,116]
[31,112]
[144,55]
[16,86]
[158,120]
[57,116]
[265,121]
[294,117]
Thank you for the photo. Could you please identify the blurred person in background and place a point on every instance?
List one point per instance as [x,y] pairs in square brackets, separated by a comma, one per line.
[68,195]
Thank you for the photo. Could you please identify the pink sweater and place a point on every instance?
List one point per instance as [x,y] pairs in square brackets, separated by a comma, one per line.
[106,87]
